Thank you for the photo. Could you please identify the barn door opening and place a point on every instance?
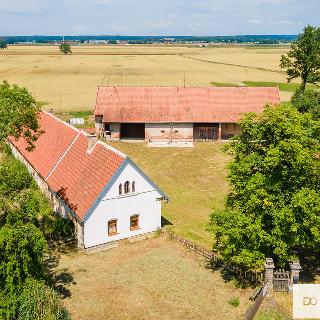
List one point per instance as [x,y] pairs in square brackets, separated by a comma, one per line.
[133,131]
[205,131]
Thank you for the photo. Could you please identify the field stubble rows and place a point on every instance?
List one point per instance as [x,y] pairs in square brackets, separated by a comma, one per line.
[69,83]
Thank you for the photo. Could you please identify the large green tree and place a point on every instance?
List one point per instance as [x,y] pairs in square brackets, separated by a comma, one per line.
[273,208]
[303,60]
[18,114]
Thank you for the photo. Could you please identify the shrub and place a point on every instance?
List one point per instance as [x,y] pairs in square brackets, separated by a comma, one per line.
[235,302]
[39,302]
[22,249]
[14,177]
[63,227]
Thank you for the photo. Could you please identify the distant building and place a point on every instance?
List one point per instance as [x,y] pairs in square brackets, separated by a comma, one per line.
[170,113]
[105,194]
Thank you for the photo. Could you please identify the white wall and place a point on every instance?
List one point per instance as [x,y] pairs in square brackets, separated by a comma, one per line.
[165,132]
[112,206]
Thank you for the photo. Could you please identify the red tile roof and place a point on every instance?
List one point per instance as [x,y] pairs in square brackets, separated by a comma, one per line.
[81,176]
[50,146]
[62,158]
[171,104]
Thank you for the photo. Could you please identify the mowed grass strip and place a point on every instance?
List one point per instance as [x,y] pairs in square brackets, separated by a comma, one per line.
[290,87]
[153,279]
[193,178]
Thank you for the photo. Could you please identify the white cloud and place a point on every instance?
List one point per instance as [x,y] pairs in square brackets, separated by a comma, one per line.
[175,17]
[254,21]
[23,7]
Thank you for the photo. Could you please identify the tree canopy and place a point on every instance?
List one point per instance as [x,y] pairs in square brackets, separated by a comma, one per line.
[307,101]
[303,60]
[273,208]
[3,44]
[65,48]
[18,114]
[38,302]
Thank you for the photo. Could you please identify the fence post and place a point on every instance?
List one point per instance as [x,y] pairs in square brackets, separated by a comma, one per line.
[269,267]
[295,268]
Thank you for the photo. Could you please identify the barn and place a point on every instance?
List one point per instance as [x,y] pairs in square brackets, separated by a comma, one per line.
[105,194]
[171,113]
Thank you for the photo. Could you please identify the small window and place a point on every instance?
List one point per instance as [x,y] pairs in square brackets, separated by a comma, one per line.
[120,189]
[127,187]
[134,222]
[133,186]
[162,131]
[112,227]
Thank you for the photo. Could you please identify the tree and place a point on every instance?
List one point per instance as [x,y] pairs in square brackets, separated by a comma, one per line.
[22,248]
[273,208]
[65,48]
[14,177]
[307,101]
[303,60]
[3,44]
[18,114]
[38,302]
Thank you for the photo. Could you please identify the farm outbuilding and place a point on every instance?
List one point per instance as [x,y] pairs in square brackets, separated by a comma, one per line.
[105,194]
[176,114]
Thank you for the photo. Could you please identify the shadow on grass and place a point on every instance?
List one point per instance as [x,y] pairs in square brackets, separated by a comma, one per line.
[243,279]
[60,280]
[165,222]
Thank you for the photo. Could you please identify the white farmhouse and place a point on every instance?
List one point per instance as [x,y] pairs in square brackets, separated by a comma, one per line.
[105,194]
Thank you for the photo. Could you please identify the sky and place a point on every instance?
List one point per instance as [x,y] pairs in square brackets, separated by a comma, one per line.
[155,17]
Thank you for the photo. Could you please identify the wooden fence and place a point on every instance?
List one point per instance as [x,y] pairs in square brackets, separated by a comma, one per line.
[281,280]
[252,311]
[252,277]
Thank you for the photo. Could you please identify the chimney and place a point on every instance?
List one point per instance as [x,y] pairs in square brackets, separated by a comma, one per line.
[92,139]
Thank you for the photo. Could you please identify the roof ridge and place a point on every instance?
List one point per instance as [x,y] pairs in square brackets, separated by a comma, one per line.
[63,155]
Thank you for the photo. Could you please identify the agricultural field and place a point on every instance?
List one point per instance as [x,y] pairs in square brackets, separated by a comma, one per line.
[151,280]
[193,178]
[69,82]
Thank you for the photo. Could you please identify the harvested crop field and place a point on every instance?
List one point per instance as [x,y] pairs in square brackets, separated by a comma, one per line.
[153,279]
[69,82]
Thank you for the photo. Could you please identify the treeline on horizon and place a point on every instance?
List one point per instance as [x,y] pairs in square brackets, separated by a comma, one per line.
[262,39]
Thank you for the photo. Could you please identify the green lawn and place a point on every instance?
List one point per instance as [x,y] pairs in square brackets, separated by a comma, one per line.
[193,178]
[283,86]
[290,87]
[86,115]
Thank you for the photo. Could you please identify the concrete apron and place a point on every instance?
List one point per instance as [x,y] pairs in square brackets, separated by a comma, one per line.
[166,144]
